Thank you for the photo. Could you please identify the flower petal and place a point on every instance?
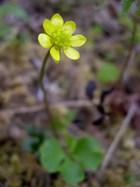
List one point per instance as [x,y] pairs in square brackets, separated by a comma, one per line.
[70,26]
[48,26]
[78,40]
[55,53]
[44,40]
[72,53]
[57,20]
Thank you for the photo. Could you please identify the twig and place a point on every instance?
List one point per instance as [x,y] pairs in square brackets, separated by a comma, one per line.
[130,62]
[116,141]
[130,52]
[40,107]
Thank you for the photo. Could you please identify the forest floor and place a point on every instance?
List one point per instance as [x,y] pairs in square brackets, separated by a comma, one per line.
[70,85]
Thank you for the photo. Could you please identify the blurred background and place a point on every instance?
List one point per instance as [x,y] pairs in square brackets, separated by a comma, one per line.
[88,90]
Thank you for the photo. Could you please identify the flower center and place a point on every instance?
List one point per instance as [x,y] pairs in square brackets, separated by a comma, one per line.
[61,39]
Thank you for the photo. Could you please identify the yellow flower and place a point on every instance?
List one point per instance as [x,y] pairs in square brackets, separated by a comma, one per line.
[59,37]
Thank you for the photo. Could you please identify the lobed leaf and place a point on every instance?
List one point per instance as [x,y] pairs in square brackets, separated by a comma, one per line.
[72,172]
[108,73]
[51,155]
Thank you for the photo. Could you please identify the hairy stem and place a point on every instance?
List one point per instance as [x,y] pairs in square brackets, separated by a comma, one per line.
[43,68]
[41,84]
[45,94]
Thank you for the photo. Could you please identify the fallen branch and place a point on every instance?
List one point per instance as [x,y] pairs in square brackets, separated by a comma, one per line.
[116,141]
[40,107]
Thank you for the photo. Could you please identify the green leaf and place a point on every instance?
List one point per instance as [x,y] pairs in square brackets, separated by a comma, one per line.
[71,142]
[61,121]
[108,73]
[51,155]
[31,144]
[126,5]
[88,152]
[138,9]
[4,30]
[97,30]
[137,37]
[72,172]
[130,179]
[126,21]
[13,9]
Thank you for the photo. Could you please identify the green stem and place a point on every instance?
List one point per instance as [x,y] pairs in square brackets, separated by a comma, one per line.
[41,83]
[43,67]
[45,94]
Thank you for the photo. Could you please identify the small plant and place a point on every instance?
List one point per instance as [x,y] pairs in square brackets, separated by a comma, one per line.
[14,10]
[36,137]
[71,157]
[79,155]
[130,8]
[129,17]
[108,73]
[127,5]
